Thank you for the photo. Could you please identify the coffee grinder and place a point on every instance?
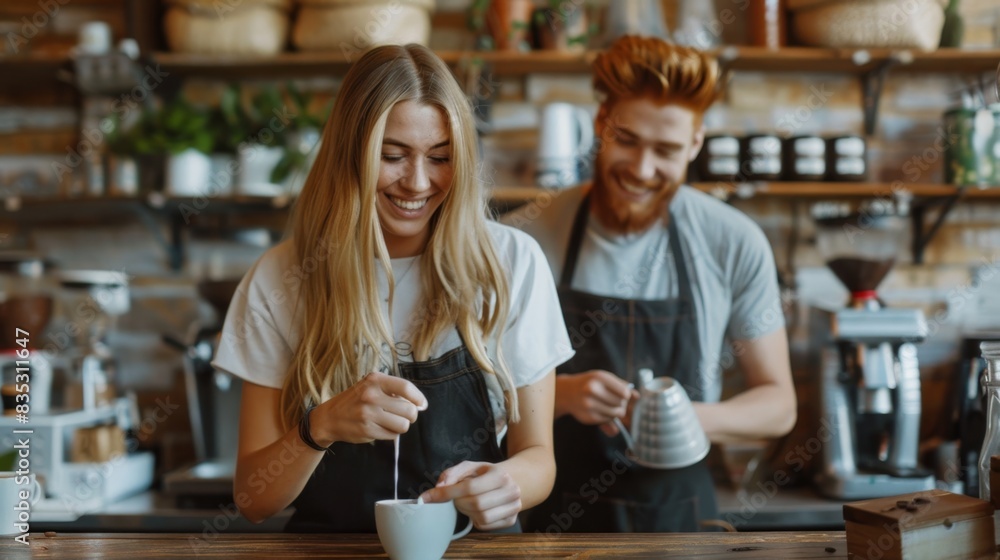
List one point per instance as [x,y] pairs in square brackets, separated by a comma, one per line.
[869,377]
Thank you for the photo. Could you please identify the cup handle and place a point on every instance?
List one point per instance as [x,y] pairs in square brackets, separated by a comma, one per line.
[463,532]
[36,492]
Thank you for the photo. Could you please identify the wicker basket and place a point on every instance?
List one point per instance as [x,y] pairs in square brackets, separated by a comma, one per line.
[351,26]
[246,27]
[868,23]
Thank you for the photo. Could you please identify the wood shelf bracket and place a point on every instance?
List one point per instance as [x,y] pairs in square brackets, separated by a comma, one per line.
[873,81]
[174,247]
[922,235]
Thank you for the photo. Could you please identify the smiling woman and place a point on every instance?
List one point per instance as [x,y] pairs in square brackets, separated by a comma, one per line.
[419,308]
[415,175]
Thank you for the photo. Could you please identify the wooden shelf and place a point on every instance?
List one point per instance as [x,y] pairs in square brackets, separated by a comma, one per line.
[802,59]
[778,189]
[27,69]
[792,59]
[306,64]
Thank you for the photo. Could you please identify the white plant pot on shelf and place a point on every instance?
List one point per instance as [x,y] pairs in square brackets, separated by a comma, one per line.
[223,176]
[256,163]
[306,142]
[187,173]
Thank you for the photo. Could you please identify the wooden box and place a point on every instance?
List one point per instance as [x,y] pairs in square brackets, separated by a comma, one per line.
[931,525]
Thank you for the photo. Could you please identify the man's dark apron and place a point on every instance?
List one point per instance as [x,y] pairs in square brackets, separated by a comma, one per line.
[457,426]
[598,488]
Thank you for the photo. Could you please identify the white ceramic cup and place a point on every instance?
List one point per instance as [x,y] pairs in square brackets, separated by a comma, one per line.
[94,38]
[17,494]
[416,531]
[566,136]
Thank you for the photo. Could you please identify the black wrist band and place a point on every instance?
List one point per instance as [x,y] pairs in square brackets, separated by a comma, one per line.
[305,433]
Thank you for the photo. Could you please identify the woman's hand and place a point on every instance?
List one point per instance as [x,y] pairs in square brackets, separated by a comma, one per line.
[379,406]
[483,491]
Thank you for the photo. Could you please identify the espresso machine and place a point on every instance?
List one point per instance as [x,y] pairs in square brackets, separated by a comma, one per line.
[867,362]
[213,405]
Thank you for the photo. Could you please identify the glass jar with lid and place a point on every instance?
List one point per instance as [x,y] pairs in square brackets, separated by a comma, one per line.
[805,158]
[846,158]
[761,157]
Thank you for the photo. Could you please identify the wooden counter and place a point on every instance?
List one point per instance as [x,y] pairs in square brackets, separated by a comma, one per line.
[143,546]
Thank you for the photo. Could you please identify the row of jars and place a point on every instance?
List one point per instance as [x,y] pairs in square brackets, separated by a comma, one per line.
[767,157]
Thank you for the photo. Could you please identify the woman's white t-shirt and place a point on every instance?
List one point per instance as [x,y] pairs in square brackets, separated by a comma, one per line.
[262,328]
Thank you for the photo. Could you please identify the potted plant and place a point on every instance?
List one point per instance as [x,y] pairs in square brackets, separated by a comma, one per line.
[301,141]
[164,147]
[181,132]
[258,130]
[502,24]
[123,153]
[562,25]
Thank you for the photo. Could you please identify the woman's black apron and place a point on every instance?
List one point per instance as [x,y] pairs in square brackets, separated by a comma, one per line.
[457,426]
[598,488]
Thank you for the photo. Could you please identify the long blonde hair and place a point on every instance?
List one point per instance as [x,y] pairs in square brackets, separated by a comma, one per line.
[335,228]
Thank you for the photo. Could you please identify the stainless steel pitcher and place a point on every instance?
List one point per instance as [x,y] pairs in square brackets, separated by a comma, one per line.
[665,432]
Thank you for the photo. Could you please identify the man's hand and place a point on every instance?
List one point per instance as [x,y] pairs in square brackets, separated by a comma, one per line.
[595,397]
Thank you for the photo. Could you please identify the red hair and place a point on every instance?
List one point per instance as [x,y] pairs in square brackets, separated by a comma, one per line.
[637,66]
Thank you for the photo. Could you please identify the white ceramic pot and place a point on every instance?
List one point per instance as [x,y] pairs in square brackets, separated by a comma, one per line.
[187,173]
[306,142]
[256,163]
[223,175]
[352,26]
[123,177]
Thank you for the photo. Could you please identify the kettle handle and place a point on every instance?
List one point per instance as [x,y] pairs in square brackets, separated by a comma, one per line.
[628,437]
[629,441]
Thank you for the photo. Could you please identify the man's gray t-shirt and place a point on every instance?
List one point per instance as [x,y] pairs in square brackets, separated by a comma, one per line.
[729,263]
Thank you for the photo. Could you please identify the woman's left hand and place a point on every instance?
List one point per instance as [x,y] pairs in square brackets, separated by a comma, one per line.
[483,491]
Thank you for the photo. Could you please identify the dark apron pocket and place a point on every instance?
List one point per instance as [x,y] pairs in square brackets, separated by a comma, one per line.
[612,515]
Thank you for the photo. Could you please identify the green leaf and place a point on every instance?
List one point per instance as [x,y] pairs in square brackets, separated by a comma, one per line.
[283,168]
[7,460]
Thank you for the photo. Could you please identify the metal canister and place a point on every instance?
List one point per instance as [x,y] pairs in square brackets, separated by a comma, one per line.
[972,148]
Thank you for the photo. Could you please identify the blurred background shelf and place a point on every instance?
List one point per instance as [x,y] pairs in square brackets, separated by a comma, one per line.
[782,189]
[791,59]
[81,207]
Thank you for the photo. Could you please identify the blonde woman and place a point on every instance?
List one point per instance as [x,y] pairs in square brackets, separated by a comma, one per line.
[395,309]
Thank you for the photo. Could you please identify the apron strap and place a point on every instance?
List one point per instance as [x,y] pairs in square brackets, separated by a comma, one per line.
[685,291]
[575,239]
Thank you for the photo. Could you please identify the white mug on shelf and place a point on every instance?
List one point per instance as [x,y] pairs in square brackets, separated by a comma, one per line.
[18,492]
[94,38]
[565,136]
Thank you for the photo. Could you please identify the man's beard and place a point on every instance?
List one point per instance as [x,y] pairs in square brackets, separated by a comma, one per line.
[618,215]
